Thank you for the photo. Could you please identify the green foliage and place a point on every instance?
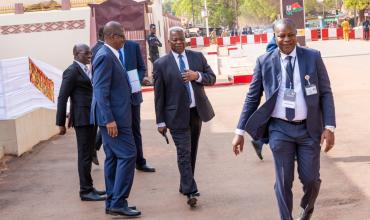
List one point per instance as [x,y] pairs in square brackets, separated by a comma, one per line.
[265,10]
[359,4]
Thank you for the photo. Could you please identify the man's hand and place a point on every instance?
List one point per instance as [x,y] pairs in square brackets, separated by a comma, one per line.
[190,75]
[112,129]
[238,144]
[162,130]
[329,138]
[62,130]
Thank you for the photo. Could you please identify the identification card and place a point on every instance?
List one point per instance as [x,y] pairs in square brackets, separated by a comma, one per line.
[311,89]
[289,99]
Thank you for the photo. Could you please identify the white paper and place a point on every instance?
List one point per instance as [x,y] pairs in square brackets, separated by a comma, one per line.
[134,81]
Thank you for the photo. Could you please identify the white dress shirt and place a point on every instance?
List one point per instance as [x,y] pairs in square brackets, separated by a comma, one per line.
[300,102]
[185,59]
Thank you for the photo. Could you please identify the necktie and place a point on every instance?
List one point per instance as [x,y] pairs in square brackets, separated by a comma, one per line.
[289,112]
[182,70]
[87,72]
[121,58]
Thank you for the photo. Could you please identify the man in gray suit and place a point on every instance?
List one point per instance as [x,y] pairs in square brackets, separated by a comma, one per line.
[181,104]
[297,117]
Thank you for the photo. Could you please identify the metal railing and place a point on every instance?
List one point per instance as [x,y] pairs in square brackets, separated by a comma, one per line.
[8,6]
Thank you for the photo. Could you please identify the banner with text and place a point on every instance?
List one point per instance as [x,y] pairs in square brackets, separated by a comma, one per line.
[294,10]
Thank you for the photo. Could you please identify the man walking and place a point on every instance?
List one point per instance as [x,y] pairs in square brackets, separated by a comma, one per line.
[153,43]
[181,104]
[111,110]
[76,85]
[297,116]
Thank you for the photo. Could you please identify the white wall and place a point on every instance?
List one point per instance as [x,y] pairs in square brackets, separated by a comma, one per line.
[53,47]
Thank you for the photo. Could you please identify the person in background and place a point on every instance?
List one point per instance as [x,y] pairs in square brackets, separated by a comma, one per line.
[366,25]
[153,43]
[346,28]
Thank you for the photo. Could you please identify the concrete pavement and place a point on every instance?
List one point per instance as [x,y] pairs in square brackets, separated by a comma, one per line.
[44,183]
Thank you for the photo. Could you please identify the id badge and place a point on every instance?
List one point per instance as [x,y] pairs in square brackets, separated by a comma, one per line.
[289,99]
[311,90]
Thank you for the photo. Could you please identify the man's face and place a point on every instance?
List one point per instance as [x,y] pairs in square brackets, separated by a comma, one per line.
[286,38]
[177,41]
[83,55]
[117,38]
[152,30]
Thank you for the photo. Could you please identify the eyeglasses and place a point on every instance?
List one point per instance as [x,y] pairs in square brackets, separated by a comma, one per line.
[119,35]
[85,53]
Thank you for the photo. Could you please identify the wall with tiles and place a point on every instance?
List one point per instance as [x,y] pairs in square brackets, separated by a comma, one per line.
[46,35]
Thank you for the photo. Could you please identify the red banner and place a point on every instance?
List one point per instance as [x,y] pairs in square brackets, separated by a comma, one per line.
[41,81]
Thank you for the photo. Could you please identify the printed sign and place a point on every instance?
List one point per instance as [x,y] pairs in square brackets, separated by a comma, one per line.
[294,10]
[41,81]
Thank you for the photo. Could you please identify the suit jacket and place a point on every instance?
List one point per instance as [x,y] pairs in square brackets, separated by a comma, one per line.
[76,85]
[267,79]
[134,60]
[170,92]
[96,48]
[111,94]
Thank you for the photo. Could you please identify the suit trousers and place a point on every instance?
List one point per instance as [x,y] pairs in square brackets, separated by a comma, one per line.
[85,149]
[287,141]
[140,160]
[119,166]
[186,141]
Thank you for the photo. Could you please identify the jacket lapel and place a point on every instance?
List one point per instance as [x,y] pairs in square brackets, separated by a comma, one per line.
[277,67]
[82,72]
[118,62]
[302,68]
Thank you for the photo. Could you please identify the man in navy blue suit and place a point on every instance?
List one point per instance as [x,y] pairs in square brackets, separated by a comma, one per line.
[134,63]
[111,111]
[297,116]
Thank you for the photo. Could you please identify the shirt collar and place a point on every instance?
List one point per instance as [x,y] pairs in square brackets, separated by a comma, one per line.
[81,65]
[176,55]
[293,54]
[115,52]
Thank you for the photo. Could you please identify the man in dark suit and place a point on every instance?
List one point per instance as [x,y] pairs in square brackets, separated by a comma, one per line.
[181,104]
[76,85]
[297,117]
[153,43]
[99,43]
[111,110]
[134,63]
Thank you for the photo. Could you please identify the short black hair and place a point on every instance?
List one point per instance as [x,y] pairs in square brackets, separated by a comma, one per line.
[101,33]
[152,26]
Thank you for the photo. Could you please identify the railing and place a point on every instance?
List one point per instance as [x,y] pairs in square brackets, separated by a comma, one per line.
[8,6]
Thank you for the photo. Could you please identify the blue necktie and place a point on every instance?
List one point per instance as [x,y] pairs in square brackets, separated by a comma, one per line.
[289,112]
[182,70]
[121,58]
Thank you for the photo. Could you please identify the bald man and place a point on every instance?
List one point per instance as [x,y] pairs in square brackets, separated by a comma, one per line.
[76,85]
[111,111]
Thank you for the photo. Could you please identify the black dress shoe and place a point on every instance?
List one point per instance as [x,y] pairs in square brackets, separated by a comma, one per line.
[145,168]
[306,215]
[257,145]
[102,192]
[92,196]
[192,199]
[95,160]
[130,207]
[123,211]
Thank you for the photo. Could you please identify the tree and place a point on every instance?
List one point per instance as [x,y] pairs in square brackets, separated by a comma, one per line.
[220,12]
[360,5]
[262,10]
